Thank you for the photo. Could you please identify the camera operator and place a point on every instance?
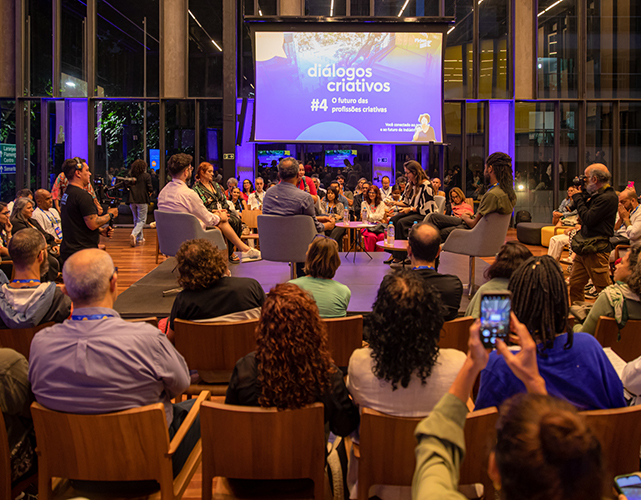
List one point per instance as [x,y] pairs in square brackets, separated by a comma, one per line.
[596,206]
[81,224]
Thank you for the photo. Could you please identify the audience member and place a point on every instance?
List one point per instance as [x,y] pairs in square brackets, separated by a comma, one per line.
[416,203]
[349,195]
[558,242]
[332,297]
[459,206]
[423,248]
[375,212]
[139,197]
[237,200]
[5,230]
[622,300]
[177,197]
[15,400]
[509,258]
[566,208]
[81,224]
[573,365]
[538,438]
[596,207]
[436,187]
[23,193]
[60,186]
[47,216]
[291,366]
[401,182]
[213,197]
[319,190]
[330,206]
[305,183]
[499,197]
[386,188]
[341,198]
[232,182]
[255,201]
[98,363]
[248,188]
[22,219]
[359,198]
[209,291]
[25,302]
[628,227]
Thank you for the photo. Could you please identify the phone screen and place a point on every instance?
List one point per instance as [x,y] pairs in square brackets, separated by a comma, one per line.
[495,317]
[630,486]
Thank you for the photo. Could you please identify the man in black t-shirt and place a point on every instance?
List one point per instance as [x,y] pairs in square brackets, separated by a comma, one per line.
[81,224]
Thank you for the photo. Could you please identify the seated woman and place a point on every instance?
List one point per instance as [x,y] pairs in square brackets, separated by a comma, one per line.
[457,201]
[334,208]
[248,188]
[238,201]
[374,212]
[573,365]
[538,438]
[332,297]
[621,301]
[209,291]
[5,231]
[291,366]
[510,257]
[22,218]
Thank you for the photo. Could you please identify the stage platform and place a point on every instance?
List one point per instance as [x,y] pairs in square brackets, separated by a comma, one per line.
[144,298]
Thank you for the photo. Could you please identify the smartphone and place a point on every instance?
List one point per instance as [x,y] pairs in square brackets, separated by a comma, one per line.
[629,485]
[495,317]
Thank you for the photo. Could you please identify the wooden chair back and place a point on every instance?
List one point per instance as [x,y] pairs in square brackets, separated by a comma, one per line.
[152,320]
[5,461]
[629,347]
[250,218]
[19,339]
[456,333]
[344,335]
[265,444]
[479,433]
[214,346]
[123,446]
[619,431]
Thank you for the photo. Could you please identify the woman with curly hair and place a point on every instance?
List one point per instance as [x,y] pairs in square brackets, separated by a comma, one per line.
[291,366]
[209,290]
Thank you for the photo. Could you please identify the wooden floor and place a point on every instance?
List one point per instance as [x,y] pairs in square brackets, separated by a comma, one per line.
[134,263]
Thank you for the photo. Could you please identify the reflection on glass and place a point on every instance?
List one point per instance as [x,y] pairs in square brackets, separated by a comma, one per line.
[493,39]
[401,8]
[457,67]
[8,142]
[476,152]
[205,48]
[180,122]
[327,8]
[38,24]
[533,164]
[56,138]
[557,49]
[211,133]
[630,164]
[73,78]
[359,7]
[569,143]
[598,134]
[453,124]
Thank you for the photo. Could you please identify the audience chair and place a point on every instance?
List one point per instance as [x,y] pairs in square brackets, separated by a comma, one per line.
[19,339]
[285,238]
[607,333]
[174,228]
[344,336]
[245,442]
[383,436]
[250,218]
[214,347]
[7,267]
[619,431]
[456,333]
[152,320]
[619,253]
[484,240]
[130,445]
[440,203]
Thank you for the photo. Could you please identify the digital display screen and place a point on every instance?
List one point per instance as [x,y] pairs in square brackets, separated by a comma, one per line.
[336,157]
[630,486]
[495,318]
[348,87]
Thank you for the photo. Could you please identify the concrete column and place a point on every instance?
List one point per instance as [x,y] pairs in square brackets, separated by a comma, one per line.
[175,49]
[524,49]
[8,48]
[291,8]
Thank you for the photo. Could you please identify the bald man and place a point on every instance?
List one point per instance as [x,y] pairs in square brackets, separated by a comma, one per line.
[96,362]
[47,216]
[596,207]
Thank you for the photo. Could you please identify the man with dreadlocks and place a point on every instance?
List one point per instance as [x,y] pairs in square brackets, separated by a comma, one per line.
[597,207]
[573,365]
[499,197]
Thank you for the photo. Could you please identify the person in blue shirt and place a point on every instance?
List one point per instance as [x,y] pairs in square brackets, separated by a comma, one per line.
[573,365]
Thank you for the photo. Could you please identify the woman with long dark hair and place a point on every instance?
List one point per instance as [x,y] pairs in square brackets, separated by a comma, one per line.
[375,212]
[139,195]
[291,366]
[332,207]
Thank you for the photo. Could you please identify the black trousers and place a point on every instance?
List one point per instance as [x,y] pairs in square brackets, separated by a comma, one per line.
[446,224]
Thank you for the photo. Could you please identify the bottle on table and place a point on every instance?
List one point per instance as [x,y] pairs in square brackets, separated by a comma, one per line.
[390,234]
[346,216]
[363,213]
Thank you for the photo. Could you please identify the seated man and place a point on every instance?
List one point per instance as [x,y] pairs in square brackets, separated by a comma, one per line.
[23,193]
[627,230]
[47,216]
[177,197]
[97,362]
[423,248]
[25,302]
[499,197]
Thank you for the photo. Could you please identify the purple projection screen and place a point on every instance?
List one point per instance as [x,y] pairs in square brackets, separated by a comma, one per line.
[348,87]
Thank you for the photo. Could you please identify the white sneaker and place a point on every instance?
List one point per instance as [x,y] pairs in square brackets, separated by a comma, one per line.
[132,240]
[251,255]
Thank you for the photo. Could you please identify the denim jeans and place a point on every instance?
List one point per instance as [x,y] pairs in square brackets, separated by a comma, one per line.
[139,211]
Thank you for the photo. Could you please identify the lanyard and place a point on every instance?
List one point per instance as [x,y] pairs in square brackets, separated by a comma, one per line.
[492,187]
[635,209]
[90,317]
[418,268]
[25,281]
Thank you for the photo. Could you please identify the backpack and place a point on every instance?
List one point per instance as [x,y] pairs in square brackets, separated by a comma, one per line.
[522,216]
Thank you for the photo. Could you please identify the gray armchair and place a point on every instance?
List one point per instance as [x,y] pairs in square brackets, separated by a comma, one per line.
[285,238]
[484,240]
[174,228]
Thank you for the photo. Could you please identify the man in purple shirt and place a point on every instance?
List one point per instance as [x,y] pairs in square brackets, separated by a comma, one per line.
[96,362]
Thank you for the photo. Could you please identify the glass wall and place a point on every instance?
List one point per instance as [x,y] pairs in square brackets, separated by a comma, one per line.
[598,134]
[493,44]
[8,146]
[475,153]
[40,38]
[73,77]
[211,133]
[328,8]
[205,48]
[401,8]
[569,146]
[458,68]
[630,145]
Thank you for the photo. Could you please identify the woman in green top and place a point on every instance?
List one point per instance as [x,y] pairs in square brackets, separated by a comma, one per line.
[213,197]
[332,297]
[543,448]
[621,301]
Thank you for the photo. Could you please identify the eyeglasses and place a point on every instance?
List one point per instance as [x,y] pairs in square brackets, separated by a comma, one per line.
[114,273]
[321,235]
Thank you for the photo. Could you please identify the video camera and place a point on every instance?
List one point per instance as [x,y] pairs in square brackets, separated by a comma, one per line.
[112,194]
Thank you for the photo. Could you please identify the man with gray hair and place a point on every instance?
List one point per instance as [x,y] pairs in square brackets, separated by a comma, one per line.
[96,362]
[25,302]
[596,207]
[232,182]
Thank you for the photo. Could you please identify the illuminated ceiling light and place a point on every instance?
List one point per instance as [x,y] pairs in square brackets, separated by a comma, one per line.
[70,84]
[201,27]
[216,45]
[331,9]
[451,29]
[521,187]
[260,13]
[403,8]
[550,7]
